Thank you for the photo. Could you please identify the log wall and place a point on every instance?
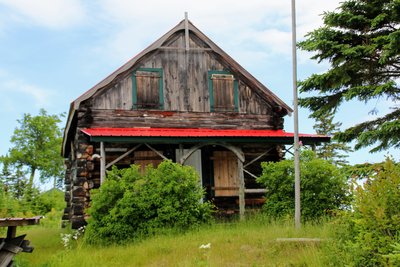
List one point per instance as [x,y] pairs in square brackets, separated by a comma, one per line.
[132,118]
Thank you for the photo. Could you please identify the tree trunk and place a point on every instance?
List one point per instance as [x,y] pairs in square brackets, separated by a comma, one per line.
[31,178]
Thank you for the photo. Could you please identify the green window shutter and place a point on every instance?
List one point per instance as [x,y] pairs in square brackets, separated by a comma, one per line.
[147,87]
[224,92]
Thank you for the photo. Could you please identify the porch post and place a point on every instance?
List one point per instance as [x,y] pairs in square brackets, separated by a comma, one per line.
[241,190]
[102,163]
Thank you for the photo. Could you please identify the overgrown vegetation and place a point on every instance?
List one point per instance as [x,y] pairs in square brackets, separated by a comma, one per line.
[130,205]
[248,243]
[370,234]
[324,187]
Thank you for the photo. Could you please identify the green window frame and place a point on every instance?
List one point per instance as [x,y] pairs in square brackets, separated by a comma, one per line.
[232,105]
[139,99]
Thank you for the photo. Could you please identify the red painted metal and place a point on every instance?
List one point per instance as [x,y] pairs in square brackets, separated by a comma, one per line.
[190,132]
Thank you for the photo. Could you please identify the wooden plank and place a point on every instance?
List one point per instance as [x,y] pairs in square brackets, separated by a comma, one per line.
[5,222]
[242,202]
[255,190]
[102,163]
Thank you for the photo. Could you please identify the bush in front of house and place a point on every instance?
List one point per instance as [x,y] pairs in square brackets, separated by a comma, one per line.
[130,205]
[324,187]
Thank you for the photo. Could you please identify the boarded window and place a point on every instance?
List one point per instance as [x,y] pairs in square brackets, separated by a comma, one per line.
[145,158]
[223,92]
[226,178]
[147,87]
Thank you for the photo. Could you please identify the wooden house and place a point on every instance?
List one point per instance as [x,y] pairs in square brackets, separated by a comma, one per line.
[182,98]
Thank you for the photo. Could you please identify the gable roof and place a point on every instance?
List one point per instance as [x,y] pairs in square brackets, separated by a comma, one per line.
[233,65]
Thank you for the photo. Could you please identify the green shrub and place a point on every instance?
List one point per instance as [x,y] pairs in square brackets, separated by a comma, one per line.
[323,187]
[130,205]
[373,229]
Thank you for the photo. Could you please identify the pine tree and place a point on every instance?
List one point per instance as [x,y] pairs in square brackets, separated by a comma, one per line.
[335,151]
[361,41]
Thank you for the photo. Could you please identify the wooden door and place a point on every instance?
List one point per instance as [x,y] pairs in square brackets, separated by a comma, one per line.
[226,178]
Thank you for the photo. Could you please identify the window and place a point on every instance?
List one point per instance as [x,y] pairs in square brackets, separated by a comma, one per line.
[147,87]
[223,91]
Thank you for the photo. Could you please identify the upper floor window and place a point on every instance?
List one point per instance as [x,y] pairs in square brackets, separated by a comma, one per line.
[223,91]
[147,84]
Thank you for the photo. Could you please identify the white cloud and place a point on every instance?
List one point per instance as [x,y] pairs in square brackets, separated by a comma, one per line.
[47,13]
[15,88]
[259,25]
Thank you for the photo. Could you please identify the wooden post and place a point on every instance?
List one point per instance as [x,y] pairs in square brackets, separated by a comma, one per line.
[102,163]
[241,190]
[11,231]
[186,32]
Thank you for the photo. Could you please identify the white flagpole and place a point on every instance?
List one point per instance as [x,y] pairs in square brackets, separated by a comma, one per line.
[297,213]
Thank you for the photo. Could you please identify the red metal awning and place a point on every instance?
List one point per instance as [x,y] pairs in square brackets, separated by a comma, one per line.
[97,133]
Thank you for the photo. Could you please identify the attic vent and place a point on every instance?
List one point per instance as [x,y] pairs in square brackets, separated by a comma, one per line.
[222,76]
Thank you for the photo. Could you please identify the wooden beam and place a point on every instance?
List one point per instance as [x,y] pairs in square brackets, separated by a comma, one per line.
[180,49]
[242,202]
[183,159]
[237,151]
[249,173]
[122,156]
[186,32]
[11,232]
[102,163]
[255,190]
[257,158]
[158,153]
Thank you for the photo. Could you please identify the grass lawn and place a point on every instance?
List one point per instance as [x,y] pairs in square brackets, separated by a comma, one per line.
[250,243]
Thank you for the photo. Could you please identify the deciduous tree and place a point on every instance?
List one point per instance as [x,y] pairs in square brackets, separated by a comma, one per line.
[324,187]
[36,147]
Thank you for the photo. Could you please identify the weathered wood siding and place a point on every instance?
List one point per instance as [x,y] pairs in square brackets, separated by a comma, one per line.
[119,96]
[168,119]
[185,81]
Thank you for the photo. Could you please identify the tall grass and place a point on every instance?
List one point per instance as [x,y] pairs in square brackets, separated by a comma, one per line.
[249,243]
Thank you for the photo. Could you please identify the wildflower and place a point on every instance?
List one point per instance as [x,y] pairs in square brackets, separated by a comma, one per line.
[206,246]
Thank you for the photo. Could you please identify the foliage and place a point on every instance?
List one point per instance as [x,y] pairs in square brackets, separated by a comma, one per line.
[130,205]
[246,243]
[36,147]
[323,187]
[363,171]
[8,204]
[13,179]
[44,202]
[361,41]
[374,226]
[332,151]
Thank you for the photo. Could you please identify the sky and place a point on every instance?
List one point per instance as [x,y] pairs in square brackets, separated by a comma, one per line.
[52,51]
